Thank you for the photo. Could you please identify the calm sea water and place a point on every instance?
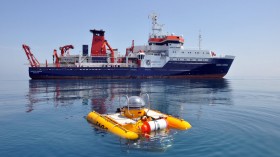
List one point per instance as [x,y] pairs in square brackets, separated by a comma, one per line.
[230,117]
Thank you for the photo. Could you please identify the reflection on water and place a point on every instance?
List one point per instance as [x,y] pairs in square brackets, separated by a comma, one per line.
[103,95]
[158,142]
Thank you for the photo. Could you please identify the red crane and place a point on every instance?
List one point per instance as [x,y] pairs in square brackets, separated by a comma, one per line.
[65,49]
[31,58]
[56,58]
[111,50]
[130,48]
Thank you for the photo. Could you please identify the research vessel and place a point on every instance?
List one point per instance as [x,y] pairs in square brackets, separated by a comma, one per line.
[164,56]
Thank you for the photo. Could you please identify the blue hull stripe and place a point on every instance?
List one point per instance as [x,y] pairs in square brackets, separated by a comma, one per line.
[218,68]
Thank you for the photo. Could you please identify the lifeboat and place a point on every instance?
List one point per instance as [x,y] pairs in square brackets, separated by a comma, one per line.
[134,120]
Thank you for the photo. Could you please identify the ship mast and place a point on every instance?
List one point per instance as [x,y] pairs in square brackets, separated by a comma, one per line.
[199,40]
[156,28]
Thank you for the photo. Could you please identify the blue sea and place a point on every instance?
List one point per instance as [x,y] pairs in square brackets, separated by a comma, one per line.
[229,117]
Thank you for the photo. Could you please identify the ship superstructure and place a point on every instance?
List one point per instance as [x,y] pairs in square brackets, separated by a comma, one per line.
[163,57]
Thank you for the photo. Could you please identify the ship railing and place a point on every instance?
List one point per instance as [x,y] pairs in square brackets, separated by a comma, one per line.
[117,65]
[46,65]
[99,55]
[106,65]
[60,65]
[224,56]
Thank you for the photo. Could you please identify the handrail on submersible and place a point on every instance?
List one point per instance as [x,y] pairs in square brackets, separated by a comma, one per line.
[127,104]
[141,95]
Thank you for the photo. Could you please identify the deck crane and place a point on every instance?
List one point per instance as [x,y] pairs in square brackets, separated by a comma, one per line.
[31,58]
[56,58]
[111,50]
[65,49]
[130,49]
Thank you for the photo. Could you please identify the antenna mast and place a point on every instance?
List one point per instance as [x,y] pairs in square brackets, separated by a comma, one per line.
[156,28]
[199,40]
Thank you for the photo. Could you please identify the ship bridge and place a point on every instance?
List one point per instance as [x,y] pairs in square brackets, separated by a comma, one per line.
[158,37]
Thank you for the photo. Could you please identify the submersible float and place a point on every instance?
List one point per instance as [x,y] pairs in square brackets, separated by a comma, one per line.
[134,120]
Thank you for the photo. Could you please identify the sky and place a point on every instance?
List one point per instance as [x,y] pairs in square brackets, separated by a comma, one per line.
[247,29]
